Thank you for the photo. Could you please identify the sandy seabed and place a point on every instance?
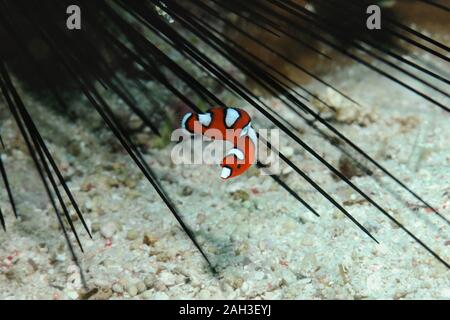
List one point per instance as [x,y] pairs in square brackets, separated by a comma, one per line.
[265,244]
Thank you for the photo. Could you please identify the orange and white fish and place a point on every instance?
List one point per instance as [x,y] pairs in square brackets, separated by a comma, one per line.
[230,124]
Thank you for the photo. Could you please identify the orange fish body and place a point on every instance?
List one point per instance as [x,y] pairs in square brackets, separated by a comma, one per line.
[230,124]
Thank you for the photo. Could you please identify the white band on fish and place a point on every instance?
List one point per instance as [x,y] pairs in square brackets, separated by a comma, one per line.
[185,119]
[226,172]
[238,153]
[231,117]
